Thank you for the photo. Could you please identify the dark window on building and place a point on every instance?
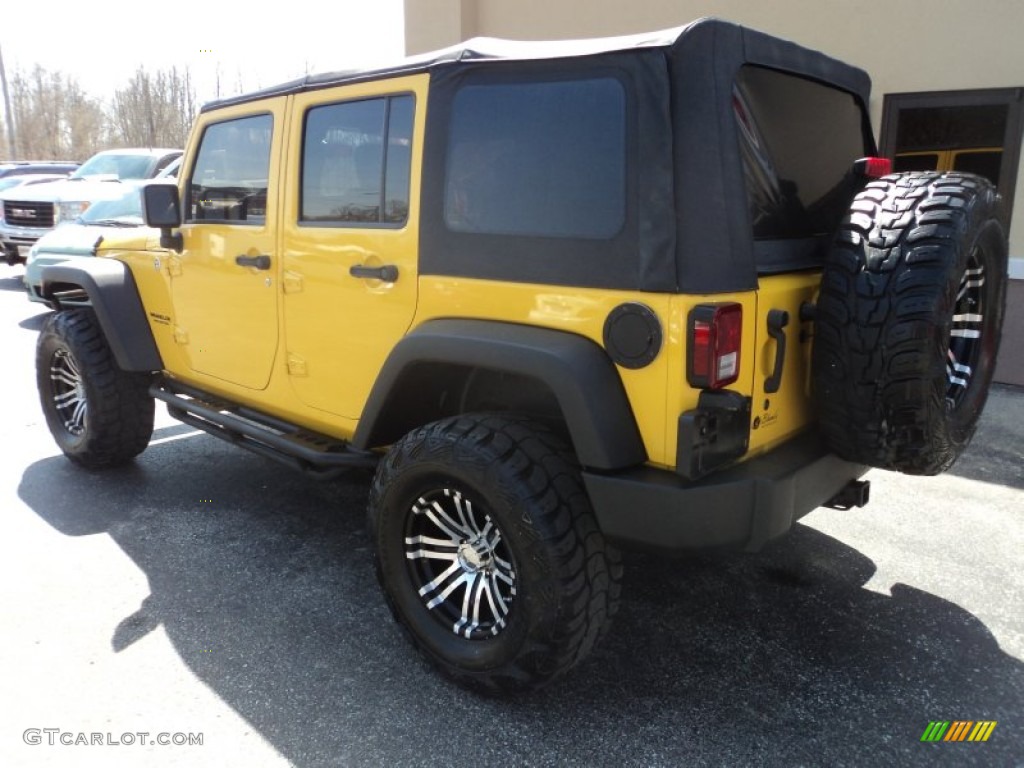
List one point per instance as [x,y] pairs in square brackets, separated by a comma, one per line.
[976,131]
[799,140]
[916,161]
[540,159]
[356,158]
[922,128]
[984,163]
[229,178]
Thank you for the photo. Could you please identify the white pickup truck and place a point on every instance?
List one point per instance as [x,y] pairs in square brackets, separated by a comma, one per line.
[27,213]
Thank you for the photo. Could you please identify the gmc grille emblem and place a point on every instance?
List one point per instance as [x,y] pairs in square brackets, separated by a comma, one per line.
[27,213]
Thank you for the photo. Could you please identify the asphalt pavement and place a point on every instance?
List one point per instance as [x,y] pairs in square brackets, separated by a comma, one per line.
[205,591]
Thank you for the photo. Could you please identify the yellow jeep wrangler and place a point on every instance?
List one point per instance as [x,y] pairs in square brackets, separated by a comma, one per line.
[653,291]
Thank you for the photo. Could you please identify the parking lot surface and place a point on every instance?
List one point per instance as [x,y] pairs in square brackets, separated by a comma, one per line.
[205,590]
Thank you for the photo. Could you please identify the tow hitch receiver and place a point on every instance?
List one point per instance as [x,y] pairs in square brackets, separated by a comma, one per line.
[854,494]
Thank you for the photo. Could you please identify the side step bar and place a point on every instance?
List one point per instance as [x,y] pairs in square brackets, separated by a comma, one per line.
[315,454]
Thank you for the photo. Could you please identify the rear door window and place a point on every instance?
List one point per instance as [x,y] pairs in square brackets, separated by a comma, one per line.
[356,162]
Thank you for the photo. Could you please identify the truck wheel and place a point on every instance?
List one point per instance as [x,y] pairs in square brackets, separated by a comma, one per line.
[488,552]
[908,321]
[99,415]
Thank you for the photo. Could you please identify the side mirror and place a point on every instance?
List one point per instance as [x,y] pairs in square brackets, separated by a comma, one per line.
[161,208]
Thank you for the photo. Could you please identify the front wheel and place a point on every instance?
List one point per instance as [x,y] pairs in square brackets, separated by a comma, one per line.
[99,415]
[488,552]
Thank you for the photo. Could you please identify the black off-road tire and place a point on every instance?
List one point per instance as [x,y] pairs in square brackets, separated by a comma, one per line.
[99,415]
[559,581]
[909,319]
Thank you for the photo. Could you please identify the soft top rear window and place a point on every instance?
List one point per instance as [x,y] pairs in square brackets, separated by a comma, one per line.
[798,139]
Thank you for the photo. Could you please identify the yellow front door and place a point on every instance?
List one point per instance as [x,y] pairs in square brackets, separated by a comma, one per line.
[349,275]
[224,283]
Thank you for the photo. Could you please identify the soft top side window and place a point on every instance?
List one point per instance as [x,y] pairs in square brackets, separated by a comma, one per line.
[229,178]
[540,159]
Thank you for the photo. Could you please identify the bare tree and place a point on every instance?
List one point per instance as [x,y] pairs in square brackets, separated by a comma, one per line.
[12,141]
[155,109]
[56,119]
[86,126]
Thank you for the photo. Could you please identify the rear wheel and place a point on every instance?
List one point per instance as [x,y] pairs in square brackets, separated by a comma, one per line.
[99,415]
[488,551]
[909,319]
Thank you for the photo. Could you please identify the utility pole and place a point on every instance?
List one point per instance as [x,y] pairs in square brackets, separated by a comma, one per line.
[12,141]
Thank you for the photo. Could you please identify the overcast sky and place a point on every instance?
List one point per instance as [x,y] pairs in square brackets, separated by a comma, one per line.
[262,43]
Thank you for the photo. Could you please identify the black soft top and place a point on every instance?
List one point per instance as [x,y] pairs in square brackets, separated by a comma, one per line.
[688,225]
[740,41]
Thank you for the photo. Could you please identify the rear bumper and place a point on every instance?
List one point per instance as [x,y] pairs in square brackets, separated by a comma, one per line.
[740,508]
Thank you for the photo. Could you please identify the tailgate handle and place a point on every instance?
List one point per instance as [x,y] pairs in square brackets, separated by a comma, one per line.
[778,319]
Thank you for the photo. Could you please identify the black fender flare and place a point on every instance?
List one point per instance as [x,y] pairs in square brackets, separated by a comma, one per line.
[578,372]
[115,299]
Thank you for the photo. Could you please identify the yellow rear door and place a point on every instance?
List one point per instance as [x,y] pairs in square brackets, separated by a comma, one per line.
[350,236]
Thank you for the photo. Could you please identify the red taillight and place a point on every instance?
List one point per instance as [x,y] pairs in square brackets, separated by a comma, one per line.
[715,334]
[873,167]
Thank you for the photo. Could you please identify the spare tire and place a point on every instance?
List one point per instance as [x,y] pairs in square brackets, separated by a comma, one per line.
[908,321]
